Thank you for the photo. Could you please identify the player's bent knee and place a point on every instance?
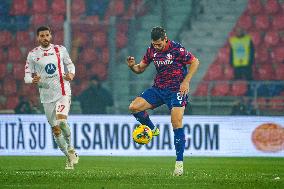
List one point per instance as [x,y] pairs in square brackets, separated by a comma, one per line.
[61,116]
[61,123]
[56,130]
[133,107]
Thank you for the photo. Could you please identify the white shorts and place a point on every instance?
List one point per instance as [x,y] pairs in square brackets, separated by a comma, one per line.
[61,106]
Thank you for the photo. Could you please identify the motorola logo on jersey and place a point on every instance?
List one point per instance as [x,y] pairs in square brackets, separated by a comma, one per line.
[50,68]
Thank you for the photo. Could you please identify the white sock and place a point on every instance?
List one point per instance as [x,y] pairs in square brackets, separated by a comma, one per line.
[60,141]
[65,131]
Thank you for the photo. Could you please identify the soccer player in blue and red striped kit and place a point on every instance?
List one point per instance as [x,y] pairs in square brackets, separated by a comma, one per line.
[171,86]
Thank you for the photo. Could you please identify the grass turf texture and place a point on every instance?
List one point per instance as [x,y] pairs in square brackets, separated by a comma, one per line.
[141,172]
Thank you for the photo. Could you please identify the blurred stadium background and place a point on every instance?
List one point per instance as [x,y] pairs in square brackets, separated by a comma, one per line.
[99,34]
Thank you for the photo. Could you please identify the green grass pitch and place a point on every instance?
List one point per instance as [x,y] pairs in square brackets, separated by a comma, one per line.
[141,172]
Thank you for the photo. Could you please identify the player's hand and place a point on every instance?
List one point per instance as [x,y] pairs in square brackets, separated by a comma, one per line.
[130,61]
[68,76]
[184,88]
[36,79]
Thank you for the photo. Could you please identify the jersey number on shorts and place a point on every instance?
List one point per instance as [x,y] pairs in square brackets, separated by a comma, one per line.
[179,98]
[60,108]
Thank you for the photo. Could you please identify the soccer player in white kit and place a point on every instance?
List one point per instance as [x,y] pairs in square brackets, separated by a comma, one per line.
[45,66]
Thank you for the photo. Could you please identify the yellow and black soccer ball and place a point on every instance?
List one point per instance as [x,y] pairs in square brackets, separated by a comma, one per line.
[142,134]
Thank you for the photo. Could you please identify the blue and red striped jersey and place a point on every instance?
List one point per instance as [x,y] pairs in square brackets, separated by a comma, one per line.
[171,65]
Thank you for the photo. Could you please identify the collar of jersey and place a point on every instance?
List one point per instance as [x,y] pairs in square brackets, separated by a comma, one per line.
[47,48]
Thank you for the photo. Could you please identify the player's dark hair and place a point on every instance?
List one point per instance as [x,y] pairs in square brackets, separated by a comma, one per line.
[158,33]
[42,28]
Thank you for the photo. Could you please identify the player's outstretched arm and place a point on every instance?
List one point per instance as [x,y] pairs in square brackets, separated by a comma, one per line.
[136,68]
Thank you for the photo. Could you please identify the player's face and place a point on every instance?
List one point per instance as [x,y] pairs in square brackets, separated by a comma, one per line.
[159,44]
[44,38]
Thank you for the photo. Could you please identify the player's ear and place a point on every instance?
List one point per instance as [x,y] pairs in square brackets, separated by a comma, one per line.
[166,38]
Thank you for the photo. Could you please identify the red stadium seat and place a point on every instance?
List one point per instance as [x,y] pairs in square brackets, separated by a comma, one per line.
[10,87]
[245,22]
[202,89]
[256,37]
[224,55]
[228,73]
[56,22]
[12,102]
[26,89]
[122,26]
[19,7]
[261,103]
[1,95]
[78,7]
[277,54]
[278,21]
[58,37]
[100,70]
[272,6]
[214,72]
[3,56]
[58,7]
[238,88]
[88,25]
[121,40]
[3,72]
[265,72]
[80,87]
[261,55]
[81,71]
[88,55]
[279,72]
[271,38]
[22,38]
[105,56]
[39,19]
[14,54]
[116,8]
[136,8]
[100,40]
[5,38]
[18,72]
[262,22]
[276,103]
[220,89]
[75,89]
[93,19]
[82,37]
[39,6]
[254,7]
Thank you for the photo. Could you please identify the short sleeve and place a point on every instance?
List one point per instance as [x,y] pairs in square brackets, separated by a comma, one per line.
[148,57]
[186,56]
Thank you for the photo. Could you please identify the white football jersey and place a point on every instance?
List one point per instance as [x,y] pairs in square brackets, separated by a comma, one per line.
[51,67]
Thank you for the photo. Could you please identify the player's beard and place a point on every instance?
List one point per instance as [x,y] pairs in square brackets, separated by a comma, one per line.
[45,43]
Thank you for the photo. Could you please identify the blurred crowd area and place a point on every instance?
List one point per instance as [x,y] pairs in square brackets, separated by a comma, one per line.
[104,32]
